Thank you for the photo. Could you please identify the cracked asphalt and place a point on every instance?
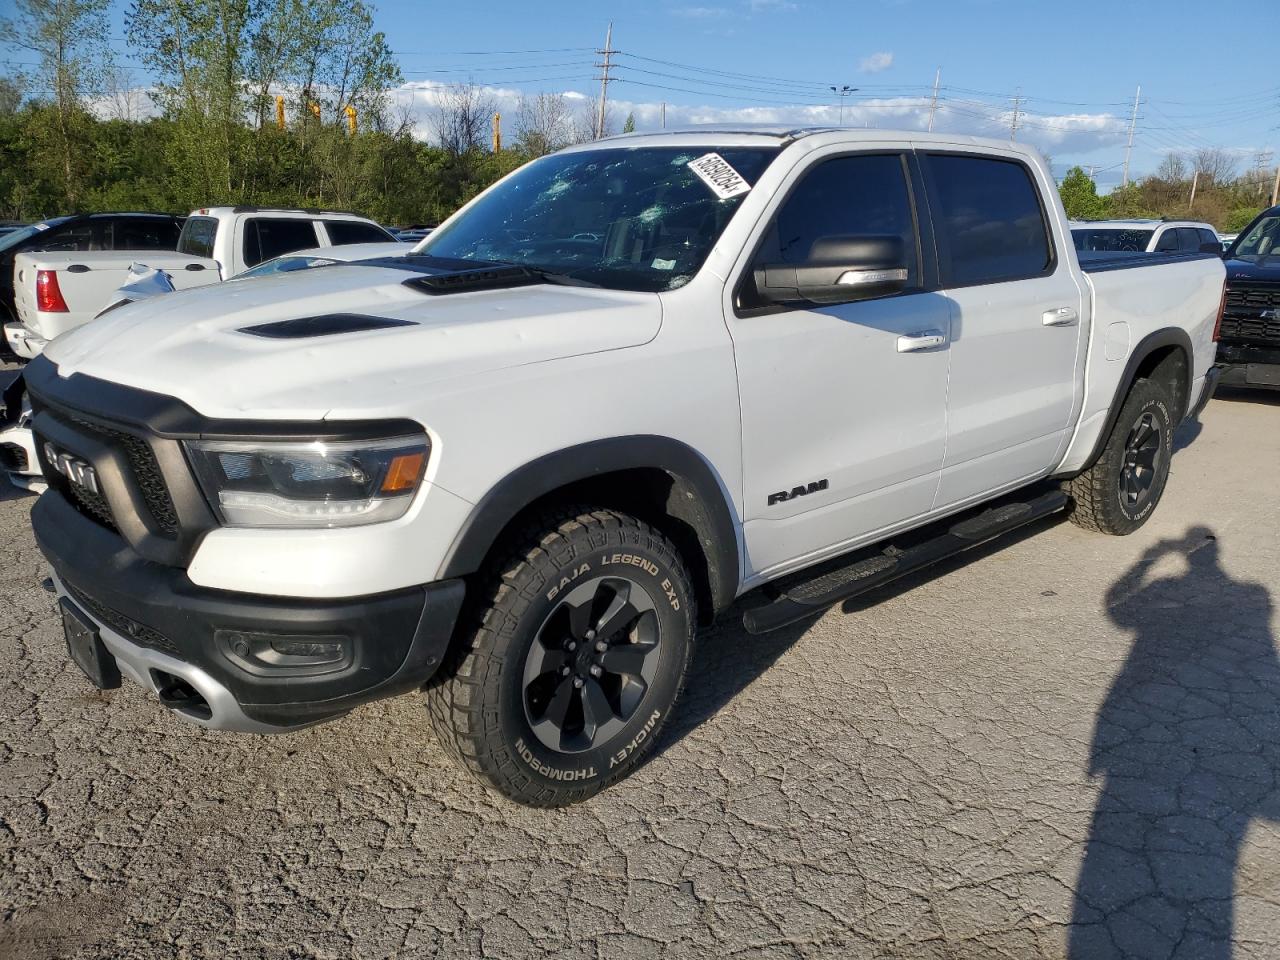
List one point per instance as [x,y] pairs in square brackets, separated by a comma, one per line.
[1064,747]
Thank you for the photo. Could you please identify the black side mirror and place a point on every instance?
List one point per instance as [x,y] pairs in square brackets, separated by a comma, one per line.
[839,269]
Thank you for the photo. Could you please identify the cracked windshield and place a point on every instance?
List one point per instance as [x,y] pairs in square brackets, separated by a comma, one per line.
[626,219]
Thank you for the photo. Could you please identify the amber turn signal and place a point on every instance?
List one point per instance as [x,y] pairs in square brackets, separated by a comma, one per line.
[403,473]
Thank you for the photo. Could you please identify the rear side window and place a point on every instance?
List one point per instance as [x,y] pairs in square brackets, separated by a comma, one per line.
[988,220]
[144,233]
[859,195]
[1168,242]
[197,237]
[265,238]
[1208,236]
[80,236]
[353,231]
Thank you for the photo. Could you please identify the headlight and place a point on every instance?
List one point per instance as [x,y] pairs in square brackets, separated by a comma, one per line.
[309,484]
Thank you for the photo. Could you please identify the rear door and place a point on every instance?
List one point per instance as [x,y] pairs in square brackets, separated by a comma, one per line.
[263,238]
[1017,352]
[842,428]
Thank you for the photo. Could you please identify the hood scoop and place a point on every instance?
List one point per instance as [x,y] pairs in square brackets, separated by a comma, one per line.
[483,278]
[326,325]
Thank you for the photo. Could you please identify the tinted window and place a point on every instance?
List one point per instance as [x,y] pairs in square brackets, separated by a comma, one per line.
[197,237]
[863,195]
[1208,236]
[988,219]
[265,238]
[144,233]
[1168,242]
[80,236]
[353,231]
[1109,240]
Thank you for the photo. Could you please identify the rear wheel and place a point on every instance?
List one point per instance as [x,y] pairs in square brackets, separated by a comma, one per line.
[1118,494]
[578,655]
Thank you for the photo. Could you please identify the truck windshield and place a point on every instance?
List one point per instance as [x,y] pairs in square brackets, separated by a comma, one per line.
[637,218]
[1110,240]
[1260,240]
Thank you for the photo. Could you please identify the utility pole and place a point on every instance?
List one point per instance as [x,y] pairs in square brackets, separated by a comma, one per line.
[664,114]
[607,53]
[933,104]
[1195,182]
[1133,125]
[1017,110]
[1275,189]
[497,132]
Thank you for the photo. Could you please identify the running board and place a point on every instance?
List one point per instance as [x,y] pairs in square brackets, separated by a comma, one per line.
[810,597]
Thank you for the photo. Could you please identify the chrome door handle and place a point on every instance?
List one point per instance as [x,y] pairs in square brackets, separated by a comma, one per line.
[1060,317]
[925,340]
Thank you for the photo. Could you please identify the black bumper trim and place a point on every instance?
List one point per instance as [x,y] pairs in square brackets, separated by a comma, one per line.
[398,639]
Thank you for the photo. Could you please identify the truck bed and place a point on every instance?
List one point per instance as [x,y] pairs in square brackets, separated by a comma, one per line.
[1099,261]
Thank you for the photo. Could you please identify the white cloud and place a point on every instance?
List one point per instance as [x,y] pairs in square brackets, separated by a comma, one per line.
[764,6]
[876,62]
[701,13]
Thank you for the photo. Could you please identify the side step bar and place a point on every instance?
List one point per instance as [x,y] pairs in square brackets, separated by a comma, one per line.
[810,597]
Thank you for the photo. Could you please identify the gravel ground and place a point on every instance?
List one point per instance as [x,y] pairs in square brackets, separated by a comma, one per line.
[1063,747]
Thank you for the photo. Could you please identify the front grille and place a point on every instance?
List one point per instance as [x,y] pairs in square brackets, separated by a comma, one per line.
[13,457]
[146,473]
[92,505]
[125,626]
[1252,313]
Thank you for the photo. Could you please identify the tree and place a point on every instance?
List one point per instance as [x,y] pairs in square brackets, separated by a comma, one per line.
[1080,196]
[1173,168]
[463,114]
[630,125]
[69,39]
[1213,165]
[11,96]
[544,124]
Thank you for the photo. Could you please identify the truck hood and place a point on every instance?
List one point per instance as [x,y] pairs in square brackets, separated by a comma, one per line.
[1254,269]
[192,345]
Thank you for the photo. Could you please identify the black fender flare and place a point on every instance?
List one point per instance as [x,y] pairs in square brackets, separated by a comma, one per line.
[696,497]
[1158,340]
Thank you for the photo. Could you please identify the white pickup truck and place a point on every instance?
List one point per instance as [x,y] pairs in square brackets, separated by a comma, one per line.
[627,385]
[55,292]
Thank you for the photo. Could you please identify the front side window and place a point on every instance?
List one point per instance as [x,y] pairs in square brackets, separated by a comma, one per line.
[144,233]
[1168,242]
[845,196]
[1260,240]
[267,237]
[626,218]
[989,223]
[342,232]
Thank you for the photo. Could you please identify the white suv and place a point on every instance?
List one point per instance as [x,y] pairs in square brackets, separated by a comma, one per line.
[1148,236]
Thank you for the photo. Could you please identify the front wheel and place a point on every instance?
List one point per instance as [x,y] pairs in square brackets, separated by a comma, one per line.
[578,657]
[1118,494]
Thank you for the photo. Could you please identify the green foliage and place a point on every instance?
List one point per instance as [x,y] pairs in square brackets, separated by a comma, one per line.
[630,125]
[1080,196]
[1239,218]
[145,165]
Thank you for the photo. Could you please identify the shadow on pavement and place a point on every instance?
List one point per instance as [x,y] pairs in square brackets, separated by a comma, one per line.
[1188,745]
[1259,395]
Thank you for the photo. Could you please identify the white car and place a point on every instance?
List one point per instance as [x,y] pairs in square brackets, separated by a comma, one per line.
[628,384]
[1148,236]
[55,292]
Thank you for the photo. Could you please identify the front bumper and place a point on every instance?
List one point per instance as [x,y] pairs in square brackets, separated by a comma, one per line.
[23,342]
[1249,365]
[230,650]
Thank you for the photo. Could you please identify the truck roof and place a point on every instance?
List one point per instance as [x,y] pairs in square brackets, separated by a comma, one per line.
[306,211]
[744,134]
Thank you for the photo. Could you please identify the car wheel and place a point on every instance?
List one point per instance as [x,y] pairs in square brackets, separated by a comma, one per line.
[577,655]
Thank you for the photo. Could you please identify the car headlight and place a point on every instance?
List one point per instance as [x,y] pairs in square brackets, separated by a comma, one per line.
[309,483]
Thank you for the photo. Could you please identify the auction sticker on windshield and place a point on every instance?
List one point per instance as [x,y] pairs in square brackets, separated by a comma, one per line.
[724,181]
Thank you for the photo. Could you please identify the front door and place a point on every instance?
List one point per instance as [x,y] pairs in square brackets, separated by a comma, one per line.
[843,410]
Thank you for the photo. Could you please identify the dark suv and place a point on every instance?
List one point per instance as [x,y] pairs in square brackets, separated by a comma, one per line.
[1249,343]
[85,231]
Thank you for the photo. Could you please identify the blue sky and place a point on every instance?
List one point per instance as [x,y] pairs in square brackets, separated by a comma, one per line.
[1208,71]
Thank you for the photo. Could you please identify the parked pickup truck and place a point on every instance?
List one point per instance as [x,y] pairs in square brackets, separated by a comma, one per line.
[1151,236]
[82,232]
[56,292]
[1249,350]
[628,384]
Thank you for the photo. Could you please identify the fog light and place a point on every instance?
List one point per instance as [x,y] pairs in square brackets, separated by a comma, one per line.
[283,655]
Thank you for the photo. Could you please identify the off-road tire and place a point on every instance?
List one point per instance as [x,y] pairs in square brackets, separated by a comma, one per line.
[480,705]
[1100,500]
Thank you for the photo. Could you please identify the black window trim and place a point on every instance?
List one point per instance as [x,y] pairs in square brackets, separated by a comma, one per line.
[244,237]
[932,191]
[926,245]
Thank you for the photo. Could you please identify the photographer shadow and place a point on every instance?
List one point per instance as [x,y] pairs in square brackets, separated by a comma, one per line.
[1188,745]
